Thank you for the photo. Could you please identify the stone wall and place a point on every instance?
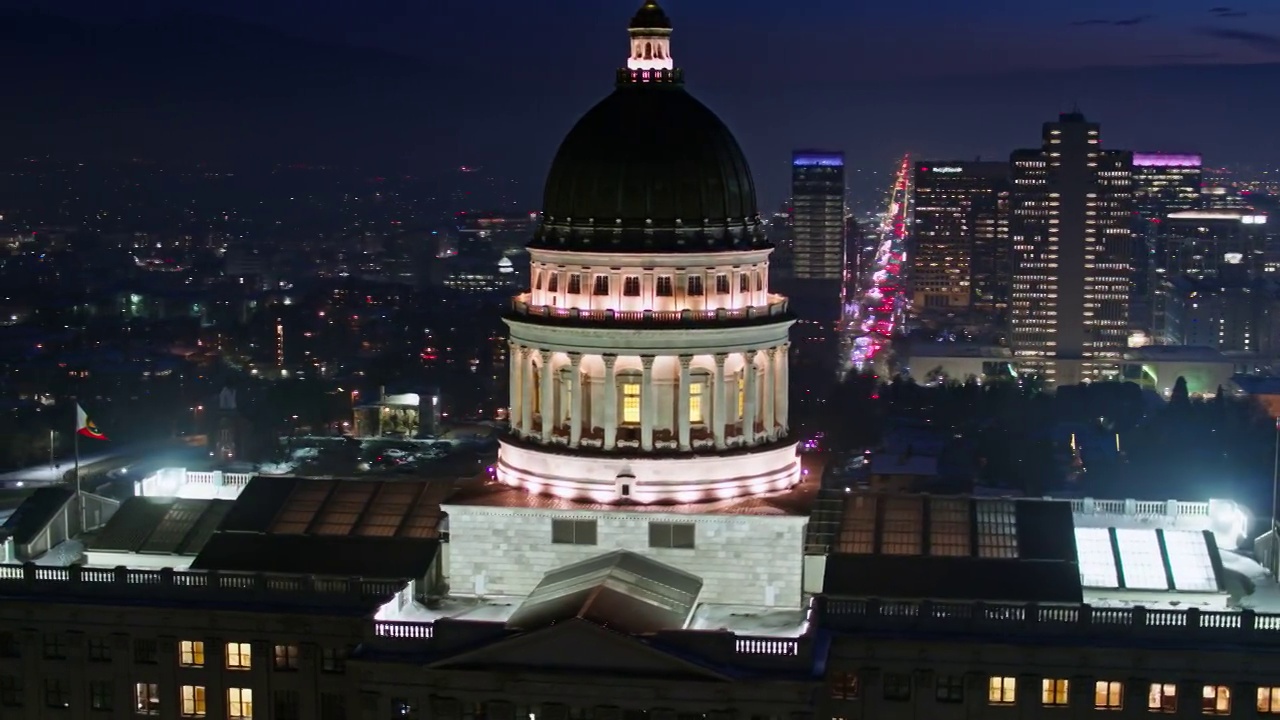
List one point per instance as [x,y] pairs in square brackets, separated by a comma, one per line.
[742,559]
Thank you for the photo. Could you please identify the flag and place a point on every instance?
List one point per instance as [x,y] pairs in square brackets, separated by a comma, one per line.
[85,426]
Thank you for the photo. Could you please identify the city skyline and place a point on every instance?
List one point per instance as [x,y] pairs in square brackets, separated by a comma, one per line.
[933,93]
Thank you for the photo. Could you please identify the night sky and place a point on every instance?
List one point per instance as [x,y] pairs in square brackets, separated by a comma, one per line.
[498,83]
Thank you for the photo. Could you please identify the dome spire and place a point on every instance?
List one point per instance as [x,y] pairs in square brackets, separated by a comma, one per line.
[650,31]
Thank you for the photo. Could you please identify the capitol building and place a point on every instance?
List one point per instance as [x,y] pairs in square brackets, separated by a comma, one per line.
[648,544]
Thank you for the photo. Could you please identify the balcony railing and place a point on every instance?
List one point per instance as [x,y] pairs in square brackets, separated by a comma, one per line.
[1003,619]
[776,308]
[35,578]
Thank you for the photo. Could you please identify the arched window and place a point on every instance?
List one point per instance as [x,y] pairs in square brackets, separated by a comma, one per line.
[648,51]
[553,283]
[699,397]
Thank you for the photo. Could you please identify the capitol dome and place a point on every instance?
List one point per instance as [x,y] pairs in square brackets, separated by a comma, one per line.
[650,168]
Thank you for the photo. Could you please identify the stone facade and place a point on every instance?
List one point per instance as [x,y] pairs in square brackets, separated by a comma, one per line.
[743,559]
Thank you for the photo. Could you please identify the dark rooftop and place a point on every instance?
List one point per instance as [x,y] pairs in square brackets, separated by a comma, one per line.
[36,512]
[383,558]
[338,507]
[164,526]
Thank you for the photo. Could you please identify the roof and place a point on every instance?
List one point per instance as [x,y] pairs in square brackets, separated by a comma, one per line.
[920,546]
[164,526]
[620,590]
[338,507]
[1184,353]
[650,17]
[650,169]
[36,512]
[368,557]
[794,502]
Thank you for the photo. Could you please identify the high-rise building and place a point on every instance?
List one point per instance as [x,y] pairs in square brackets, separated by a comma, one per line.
[958,257]
[1070,227]
[1162,183]
[818,232]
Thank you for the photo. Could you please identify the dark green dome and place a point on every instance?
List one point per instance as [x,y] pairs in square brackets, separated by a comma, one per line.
[651,169]
[650,17]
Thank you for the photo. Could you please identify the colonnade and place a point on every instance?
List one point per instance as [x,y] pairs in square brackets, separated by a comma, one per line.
[649,402]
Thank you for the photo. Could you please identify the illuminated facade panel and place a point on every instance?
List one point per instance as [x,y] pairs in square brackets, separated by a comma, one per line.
[1141,560]
[1189,561]
[1097,558]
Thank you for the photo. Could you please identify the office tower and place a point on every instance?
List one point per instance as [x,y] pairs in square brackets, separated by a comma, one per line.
[958,254]
[1162,183]
[1069,225]
[818,222]
[1165,183]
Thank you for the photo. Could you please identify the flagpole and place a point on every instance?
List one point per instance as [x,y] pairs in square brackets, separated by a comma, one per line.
[79,493]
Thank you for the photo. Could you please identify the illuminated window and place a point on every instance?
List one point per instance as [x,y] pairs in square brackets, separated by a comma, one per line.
[1269,700]
[844,686]
[146,698]
[997,529]
[1189,561]
[742,395]
[553,283]
[1002,690]
[631,286]
[1054,692]
[695,285]
[665,287]
[722,284]
[900,532]
[1140,560]
[1097,559]
[695,403]
[601,286]
[1108,695]
[191,653]
[630,403]
[239,656]
[949,527]
[193,701]
[1215,700]
[239,704]
[575,284]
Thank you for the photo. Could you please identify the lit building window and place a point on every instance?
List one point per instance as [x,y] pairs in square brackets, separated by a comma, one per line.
[239,704]
[695,403]
[239,656]
[193,701]
[665,287]
[631,403]
[742,395]
[1269,700]
[575,284]
[1108,695]
[1216,700]
[1002,690]
[722,284]
[191,653]
[1054,692]
[601,285]
[146,698]
[631,286]
[695,285]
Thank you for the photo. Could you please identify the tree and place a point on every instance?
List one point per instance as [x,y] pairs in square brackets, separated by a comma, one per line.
[1180,396]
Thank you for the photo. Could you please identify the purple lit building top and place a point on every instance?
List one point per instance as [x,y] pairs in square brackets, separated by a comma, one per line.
[819,158]
[1141,159]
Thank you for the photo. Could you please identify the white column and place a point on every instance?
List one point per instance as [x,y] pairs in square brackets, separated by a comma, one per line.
[610,403]
[513,386]
[526,390]
[682,412]
[770,389]
[749,403]
[784,388]
[720,414]
[548,409]
[646,402]
[575,399]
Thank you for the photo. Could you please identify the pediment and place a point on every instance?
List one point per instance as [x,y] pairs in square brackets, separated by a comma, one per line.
[575,646]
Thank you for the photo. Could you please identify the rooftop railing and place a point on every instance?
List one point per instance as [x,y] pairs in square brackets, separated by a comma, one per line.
[123,579]
[777,307]
[1007,619]
[1139,508]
